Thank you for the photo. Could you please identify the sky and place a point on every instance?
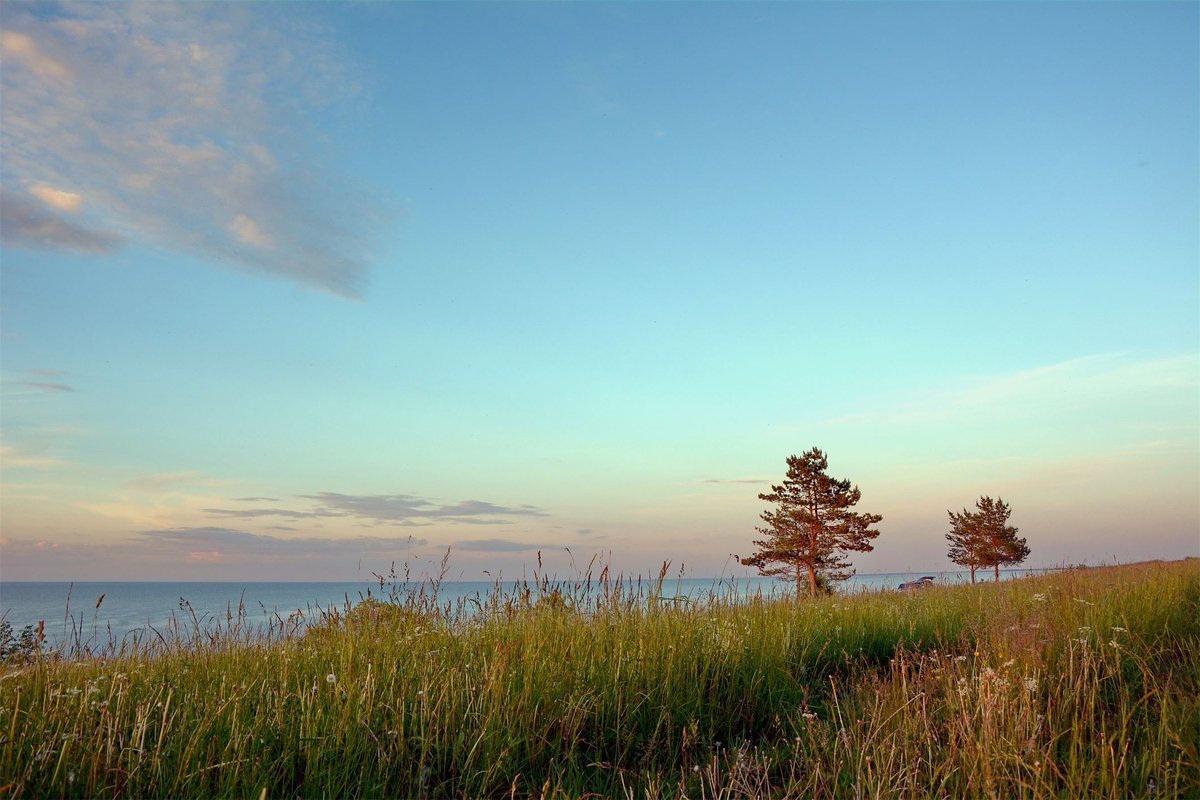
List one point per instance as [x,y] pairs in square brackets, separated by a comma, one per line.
[291,291]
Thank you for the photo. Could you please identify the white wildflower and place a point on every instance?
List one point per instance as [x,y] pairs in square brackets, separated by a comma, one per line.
[1030,684]
[331,678]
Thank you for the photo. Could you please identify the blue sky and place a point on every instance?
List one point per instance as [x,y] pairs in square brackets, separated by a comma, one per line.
[293,290]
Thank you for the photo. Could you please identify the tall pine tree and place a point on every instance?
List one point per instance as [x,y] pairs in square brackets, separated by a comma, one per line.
[812,526]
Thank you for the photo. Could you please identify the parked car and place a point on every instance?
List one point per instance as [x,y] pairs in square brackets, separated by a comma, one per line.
[919,583]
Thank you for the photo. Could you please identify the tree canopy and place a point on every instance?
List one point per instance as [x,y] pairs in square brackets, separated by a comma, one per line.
[812,526]
[983,538]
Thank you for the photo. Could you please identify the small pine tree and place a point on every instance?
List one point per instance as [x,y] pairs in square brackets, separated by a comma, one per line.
[812,526]
[983,538]
[1003,545]
[966,541]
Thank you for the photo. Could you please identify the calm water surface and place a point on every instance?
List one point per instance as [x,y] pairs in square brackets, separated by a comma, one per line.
[144,608]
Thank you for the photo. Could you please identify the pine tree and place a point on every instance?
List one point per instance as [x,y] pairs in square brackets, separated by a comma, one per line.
[983,538]
[966,541]
[812,526]
[1003,545]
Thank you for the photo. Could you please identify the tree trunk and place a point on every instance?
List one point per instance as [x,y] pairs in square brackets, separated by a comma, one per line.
[972,574]
[812,581]
[799,582]
[996,566]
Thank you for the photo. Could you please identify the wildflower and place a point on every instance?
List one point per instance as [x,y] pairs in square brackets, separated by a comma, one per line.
[70,777]
[331,678]
[1085,602]
[695,768]
[960,659]
[1030,684]
[1039,597]
[1113,643]
[420,693]
[809,715]
[1008,663]
[1120,629]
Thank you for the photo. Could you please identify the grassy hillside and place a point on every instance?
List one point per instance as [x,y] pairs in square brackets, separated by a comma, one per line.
[1084,683]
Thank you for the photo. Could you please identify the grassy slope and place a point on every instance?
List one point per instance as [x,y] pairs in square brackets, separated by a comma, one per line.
[1080,684]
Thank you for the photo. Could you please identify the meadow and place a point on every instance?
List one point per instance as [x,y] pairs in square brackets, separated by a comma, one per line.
[1081,683]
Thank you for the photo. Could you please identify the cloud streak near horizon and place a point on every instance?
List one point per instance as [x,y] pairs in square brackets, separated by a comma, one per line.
[180,126]
[393,509]
[230,542]
[218,545]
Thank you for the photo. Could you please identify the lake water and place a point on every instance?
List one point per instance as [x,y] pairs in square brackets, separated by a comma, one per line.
[149,609]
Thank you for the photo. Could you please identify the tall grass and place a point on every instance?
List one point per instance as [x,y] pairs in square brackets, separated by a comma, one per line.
[1084,683]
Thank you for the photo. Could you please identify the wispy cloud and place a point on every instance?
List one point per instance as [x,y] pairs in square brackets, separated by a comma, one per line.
[736,480]
[26,224]
[178,125]
[67,202]
[229,543]
[402,507]
[171,481]
[253,513]
[24,51]
[392,509]
[1056,388]
[34,381]
[46,386]
[12,456]
[497,546]
[228,550]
